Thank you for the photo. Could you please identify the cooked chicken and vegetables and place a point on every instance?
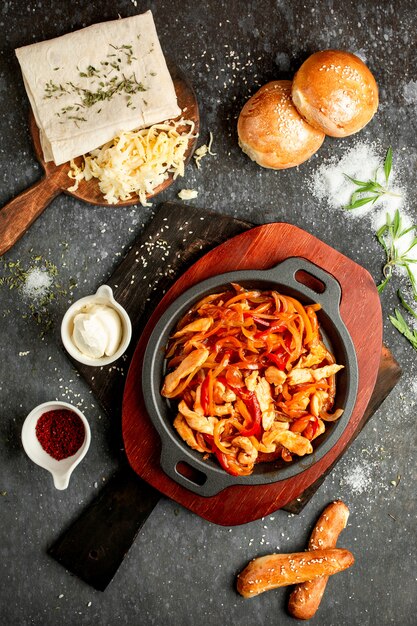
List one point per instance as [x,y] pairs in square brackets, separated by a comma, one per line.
[253,379]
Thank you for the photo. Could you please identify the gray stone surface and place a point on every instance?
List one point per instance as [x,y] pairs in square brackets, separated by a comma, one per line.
[181,569]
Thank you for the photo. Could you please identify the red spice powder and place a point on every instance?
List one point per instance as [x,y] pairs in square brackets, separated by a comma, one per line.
[60,432]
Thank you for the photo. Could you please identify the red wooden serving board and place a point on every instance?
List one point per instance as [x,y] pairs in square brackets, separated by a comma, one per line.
[259,248]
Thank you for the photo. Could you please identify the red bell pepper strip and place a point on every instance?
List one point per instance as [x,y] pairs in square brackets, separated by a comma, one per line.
[254,409]
[288,341]
[280,359]
[256,319]
[311,429]
[209,440]
[242,392]
[224,356]
[252,404]
[229,340]
[223,459]
[204,394]
[273,328]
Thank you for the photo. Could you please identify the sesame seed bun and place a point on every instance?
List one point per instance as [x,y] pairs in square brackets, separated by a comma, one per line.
[272,132]
[335,92]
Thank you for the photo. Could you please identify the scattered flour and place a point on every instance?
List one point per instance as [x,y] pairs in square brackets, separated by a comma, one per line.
[37,284]
[364,473]
[359,479]
[364,161]
[410,92]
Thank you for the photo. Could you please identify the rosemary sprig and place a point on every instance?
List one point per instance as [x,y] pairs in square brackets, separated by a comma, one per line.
[399,322]
[128,86]
[102,86]
[37,304]
[401,325]
[372,188]
[389,236]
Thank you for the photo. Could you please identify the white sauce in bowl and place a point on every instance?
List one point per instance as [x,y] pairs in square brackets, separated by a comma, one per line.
[97,330]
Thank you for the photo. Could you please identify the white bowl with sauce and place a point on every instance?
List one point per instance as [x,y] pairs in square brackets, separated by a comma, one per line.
[103,299]
[61,470]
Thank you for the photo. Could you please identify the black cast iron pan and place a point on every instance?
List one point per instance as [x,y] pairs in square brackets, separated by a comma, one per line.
[283,278]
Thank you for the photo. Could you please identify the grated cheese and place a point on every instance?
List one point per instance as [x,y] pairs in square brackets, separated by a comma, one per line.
[136,162]
[188,194]
[203,151]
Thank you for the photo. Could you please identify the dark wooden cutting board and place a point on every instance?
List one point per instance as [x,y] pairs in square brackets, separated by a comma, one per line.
[176,238]
[95,545]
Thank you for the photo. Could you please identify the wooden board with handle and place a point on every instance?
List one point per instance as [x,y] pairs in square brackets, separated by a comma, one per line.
[20,213]
[179,236]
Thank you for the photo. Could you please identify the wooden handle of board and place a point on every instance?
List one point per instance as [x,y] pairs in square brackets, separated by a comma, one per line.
[18,214]
[95,545]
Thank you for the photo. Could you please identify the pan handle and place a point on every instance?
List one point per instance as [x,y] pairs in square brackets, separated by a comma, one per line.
[331,292]
[18,214]
[190,473]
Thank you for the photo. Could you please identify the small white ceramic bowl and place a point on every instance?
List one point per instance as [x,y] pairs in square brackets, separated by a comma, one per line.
[104,295]
[61,470]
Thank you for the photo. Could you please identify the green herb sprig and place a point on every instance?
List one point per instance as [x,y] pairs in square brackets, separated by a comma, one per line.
[372,188]
[103,86]
[401,325]
[389,236]
[14,276]
[399,322]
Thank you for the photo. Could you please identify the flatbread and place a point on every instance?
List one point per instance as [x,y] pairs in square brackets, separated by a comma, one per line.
[87,86]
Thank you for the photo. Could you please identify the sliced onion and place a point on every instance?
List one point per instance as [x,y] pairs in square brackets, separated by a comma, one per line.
[329,417]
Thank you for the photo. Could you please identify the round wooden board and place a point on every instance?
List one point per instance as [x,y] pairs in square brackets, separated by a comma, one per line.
[18,214]
[259,248]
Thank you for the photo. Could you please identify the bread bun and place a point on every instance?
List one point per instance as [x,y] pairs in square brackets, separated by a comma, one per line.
[280,570]
[271,131]
[335,92]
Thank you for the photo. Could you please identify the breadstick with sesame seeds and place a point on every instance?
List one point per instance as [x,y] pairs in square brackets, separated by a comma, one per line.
[279,570]
[306,597]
